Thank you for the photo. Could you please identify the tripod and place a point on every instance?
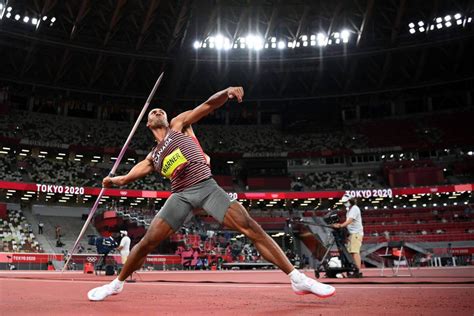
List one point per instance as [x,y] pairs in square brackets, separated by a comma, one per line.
[347,262]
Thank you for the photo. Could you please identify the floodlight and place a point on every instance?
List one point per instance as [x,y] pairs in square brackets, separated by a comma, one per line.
[345,36]
[321,39]
[197,44]
[281,45]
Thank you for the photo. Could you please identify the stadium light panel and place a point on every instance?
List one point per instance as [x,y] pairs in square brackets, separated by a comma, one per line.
[336,34]
[448,24]
[26,19]
[34,21]
[313,37]
[17,17]
[211,45]
[242,45]
[439,26]
[439,20]
[411,25]
[321,39]
[53,19]
[457,16]
[8,15]
[274,45]
[304,37]
[44,18]
[421,29]
[298,44]
[313,43]
[196,45]
[458,22]
[1,6]
[447,18]
[338,41]
[305,43]
[290,44]
[281,45]
[432,27]
[236,46]
[9,9]
[421,23]
[469,20]
[273,39]
[345,36]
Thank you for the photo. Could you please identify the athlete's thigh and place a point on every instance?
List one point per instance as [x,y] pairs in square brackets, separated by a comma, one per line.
[217,202]
[174,211]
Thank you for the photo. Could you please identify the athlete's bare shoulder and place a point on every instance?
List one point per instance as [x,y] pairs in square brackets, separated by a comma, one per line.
[177,124]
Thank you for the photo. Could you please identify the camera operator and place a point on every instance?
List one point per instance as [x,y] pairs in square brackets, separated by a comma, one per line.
[354,226]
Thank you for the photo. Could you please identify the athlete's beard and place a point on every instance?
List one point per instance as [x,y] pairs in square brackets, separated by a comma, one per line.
[157,123]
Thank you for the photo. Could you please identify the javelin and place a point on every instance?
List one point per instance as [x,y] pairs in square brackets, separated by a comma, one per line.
[114,168]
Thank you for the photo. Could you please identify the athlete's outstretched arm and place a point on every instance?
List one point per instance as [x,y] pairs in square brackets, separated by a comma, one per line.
[140,170]
[214,102]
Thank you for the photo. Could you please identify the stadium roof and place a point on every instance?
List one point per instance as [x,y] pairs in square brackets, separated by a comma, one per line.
[352,47]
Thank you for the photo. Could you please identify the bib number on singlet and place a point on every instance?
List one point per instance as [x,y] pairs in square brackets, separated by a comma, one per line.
[173,163]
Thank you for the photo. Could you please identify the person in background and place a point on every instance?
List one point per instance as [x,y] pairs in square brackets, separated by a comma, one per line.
[356,230]
[124,247]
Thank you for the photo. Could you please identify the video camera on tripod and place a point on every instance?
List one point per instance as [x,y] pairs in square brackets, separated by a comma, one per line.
[321,251]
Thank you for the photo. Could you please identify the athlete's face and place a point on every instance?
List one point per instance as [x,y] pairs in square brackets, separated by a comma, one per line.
[157,118]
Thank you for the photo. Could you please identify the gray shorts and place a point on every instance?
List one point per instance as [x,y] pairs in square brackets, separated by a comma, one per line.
[207,195]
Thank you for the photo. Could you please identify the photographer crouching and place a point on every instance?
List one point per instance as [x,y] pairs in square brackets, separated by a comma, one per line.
[356,230]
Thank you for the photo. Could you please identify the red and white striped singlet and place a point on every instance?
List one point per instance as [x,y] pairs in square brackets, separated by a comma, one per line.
[181,159]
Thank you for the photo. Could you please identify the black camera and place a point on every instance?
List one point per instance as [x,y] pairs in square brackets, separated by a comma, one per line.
[331,218]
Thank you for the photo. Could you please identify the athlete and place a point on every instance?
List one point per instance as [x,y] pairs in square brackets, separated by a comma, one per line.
[179,157]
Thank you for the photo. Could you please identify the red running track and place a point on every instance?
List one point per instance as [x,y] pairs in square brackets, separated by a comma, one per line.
[252,293]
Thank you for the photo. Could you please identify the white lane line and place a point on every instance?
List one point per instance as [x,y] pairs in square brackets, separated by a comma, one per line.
[342,286]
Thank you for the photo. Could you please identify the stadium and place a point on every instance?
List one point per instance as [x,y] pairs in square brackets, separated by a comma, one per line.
[303,112]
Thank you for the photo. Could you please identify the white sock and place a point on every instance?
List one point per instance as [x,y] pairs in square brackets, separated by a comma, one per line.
[117,282]
[295,276]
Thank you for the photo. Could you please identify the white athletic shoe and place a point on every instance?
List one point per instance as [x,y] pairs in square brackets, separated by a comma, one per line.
[307,285]
[100,293]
